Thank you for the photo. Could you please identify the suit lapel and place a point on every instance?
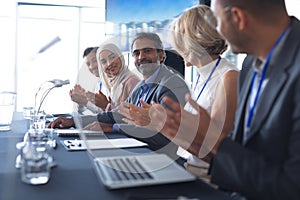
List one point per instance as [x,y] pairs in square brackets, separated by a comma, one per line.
[156,84]
[135,94]
[244,93]
[277,78]
[267,99]
[151,92]
[153,88]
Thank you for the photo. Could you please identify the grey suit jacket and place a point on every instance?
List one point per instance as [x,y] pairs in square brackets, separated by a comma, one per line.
[167,83]
[267,164]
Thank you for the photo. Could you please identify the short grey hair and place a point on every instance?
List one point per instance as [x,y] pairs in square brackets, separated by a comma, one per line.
[153,37]
[150,36]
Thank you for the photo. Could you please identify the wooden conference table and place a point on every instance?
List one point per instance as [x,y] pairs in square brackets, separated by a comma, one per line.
[74,176]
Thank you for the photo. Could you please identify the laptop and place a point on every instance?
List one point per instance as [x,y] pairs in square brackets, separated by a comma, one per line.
[139,170]
[127,171]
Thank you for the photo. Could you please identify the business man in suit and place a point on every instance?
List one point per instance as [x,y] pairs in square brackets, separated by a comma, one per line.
[261,159]
[159,81]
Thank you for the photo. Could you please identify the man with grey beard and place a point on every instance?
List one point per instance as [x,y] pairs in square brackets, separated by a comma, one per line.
[158,82]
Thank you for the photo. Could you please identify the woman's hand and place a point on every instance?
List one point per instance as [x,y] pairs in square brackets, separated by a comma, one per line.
[195,132]
[101,100]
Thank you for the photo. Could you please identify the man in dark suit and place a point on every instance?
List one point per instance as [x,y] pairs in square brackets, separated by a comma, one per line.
[159,81]
[261,158]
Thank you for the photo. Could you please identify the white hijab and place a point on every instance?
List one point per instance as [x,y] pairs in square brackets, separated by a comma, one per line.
[113,83]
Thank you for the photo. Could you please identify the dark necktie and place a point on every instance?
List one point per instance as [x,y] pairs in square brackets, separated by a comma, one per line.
[143,93]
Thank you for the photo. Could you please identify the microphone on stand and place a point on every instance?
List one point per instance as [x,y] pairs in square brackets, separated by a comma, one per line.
[55,84]
[59,83]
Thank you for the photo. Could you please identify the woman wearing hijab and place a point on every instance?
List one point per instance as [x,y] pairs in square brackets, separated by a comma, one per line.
[115,76]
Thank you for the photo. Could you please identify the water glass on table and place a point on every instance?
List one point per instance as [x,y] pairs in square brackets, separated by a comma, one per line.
[34,160]
[39,120]
[7,107]
[35,167]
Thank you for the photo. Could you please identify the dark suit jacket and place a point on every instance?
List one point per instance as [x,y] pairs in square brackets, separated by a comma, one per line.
[167,83]
[267,164]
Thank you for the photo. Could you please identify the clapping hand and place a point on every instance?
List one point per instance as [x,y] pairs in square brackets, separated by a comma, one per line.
[194,132]
[135,115]
[101,100]
[139,116]
[78,95]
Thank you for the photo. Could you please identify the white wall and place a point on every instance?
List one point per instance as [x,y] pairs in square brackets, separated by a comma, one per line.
[27,28]
[14,68]
[293,7]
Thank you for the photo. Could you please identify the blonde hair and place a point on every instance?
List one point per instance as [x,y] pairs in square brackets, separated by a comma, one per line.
[192,35]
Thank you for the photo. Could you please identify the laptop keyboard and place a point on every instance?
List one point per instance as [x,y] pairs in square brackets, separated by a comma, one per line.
[120,169]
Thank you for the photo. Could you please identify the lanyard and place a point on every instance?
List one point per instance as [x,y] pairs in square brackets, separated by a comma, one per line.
[100,86]
[253,105]
[211,73]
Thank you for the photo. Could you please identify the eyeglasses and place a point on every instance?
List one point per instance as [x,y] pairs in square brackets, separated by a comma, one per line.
[212,20]
[146,50]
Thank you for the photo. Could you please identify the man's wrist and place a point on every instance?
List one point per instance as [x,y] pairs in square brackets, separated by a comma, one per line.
[116,127]
[73,123]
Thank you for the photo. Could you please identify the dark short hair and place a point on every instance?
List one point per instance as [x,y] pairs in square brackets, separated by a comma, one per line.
[257,7]
[88,50]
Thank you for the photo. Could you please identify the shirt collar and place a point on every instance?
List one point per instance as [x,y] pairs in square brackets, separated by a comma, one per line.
[205,70]
[259,64]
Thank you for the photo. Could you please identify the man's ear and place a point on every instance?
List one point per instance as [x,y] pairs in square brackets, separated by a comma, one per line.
[239,18]
[162,56]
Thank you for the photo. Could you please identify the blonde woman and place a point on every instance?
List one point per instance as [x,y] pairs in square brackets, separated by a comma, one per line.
[215,88]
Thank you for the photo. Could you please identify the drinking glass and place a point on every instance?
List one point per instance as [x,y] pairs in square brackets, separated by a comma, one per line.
[7,107]
[39,120]
[35,163]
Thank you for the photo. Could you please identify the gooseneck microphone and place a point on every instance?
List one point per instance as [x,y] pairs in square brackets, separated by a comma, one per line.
[55,83]
[59,83]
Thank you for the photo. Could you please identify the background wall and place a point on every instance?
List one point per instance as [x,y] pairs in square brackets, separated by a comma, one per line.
[28,25]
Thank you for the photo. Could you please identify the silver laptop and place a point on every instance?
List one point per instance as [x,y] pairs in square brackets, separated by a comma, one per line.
[133,170]
[140,170]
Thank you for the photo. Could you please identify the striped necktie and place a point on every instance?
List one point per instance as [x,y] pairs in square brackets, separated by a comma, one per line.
[143,93]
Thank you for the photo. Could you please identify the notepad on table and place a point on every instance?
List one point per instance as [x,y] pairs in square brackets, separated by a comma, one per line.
[73,145]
